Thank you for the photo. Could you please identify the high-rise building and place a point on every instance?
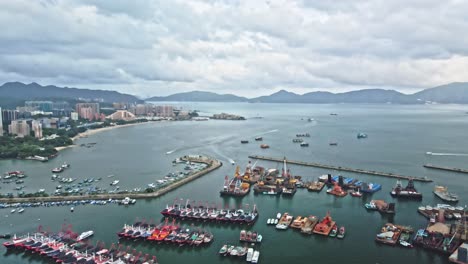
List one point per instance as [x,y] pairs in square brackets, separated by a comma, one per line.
[74,116]
[9,115]
[87,110]
[122,115]
[20,128]
[1,123]
[45,106]
[165,110]
[37,128]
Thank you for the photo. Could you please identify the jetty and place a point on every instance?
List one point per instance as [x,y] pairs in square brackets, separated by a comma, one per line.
[431,166]
[339,168]
[213,164]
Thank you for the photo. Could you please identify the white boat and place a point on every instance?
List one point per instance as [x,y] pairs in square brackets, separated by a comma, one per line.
[41,190]
[115,182]
[255,256]
[269,221]
[21,210]
[72,209]
[459,208]
[278,215]
[275,221]
[85,235]
[429,208]
[281,226]
[422,208]
[250,252]
[13,210]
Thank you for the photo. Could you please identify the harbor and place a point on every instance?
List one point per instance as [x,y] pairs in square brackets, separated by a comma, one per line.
[339,168]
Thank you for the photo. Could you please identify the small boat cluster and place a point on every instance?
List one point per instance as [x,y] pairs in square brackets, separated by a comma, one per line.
[210,213]
[60,169]
[239,251]
[64,247]
[13,174]
[166,233]
[392,234]
[126,201]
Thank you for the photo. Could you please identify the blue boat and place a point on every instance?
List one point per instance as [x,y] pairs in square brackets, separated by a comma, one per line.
[348,180]
[370,187]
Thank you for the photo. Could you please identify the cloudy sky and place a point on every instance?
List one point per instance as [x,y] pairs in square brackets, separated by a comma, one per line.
[246,47]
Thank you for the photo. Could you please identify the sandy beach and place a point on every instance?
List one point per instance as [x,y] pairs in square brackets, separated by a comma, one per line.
[90,132]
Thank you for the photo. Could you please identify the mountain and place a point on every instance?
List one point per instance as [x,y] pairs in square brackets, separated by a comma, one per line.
[199,96]
[34,91]
[452,93]
[278,97]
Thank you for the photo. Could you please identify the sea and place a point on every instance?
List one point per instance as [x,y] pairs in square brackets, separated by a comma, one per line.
[399,138]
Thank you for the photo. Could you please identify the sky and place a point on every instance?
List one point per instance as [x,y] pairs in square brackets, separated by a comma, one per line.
[244,47]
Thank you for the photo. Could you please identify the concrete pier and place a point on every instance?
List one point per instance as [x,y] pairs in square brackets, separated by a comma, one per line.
[213,164]
[431,166]
[339,168]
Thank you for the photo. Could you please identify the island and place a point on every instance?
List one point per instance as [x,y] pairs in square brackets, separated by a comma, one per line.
[224,116]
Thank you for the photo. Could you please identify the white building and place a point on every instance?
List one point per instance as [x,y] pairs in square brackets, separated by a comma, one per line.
[74,116]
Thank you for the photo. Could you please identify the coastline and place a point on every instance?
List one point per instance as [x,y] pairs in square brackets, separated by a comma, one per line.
[90,132]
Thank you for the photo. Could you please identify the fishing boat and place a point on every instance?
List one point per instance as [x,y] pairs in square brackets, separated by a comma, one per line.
[442,193]
[256,256]
[341,232]
[223,250]
[325,226]
[85,235]
[408,192]
[284,221]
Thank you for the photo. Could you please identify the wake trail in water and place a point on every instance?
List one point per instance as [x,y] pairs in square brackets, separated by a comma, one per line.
[267,132]
[447,154]
[230,160]
[171,151]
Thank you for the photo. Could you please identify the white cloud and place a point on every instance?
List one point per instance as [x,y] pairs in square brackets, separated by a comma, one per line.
[246,47]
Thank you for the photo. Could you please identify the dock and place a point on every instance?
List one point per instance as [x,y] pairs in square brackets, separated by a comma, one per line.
[213,164]
[431,166]
[339,168]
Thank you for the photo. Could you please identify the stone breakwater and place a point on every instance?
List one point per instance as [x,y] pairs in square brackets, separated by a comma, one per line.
[213,164]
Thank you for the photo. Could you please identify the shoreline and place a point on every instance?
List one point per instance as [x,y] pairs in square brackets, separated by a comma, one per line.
[91,132]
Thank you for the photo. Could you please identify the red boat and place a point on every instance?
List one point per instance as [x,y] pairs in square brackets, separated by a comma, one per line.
[356,193]
[337,191]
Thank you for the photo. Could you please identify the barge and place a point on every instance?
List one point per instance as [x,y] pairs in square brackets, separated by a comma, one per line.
[325,226]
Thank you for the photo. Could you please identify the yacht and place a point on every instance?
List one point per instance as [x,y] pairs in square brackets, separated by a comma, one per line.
[85,235]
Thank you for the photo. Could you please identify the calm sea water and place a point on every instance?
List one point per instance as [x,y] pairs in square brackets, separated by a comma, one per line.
[399,137]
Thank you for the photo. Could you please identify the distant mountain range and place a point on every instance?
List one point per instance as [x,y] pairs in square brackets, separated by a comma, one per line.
[34,91]
[456,93]
[451,93]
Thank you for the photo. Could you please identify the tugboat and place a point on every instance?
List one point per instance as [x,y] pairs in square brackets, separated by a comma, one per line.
[442,193]
[337,191]
[408,192]
[325,226]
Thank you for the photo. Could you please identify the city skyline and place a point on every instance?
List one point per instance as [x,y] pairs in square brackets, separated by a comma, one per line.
[249,48]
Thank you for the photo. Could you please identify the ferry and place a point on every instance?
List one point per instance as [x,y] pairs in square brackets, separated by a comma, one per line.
[85,235]
[442,193]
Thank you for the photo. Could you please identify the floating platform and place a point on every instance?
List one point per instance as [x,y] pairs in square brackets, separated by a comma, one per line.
[339,168]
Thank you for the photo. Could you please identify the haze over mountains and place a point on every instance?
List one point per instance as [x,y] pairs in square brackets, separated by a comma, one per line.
[450,93]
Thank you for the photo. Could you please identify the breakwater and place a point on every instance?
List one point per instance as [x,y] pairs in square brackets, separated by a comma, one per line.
[431,166]
[339,168]
[213,164]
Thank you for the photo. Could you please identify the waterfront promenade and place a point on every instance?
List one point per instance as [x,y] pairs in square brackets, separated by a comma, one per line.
[213,164]
[339,168]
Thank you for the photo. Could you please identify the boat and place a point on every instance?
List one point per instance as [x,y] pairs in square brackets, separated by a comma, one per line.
[304,144]
[361,135]
[21,210]
[278,215]
[256,256]
[408,192]
[299,222]
[370,187]
[333,144]
[250,237]
[370,206]
[356,193]
[406,244]
[223,249]
[72,209]
[309,224]
[297,140]
[325,226]
[337,191]
[341,232]
[284,221]
[114,182]
[264,146]
[334,231]
[65,165]
[258,139]
[57,170]
[244,141]
[315,186]
[269,221]
[442,193]
[384,207]
[85,235]
[235,186]
[250,253]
